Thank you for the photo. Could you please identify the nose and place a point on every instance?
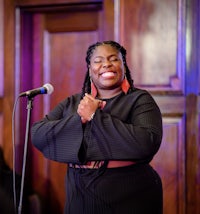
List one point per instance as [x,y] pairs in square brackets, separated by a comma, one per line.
[106,64]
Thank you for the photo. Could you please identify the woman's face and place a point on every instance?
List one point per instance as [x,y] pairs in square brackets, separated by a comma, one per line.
[106,67]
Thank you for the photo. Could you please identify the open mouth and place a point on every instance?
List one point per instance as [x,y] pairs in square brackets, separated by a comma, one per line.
[108,74]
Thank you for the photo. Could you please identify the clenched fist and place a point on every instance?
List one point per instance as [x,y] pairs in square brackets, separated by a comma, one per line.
[88,106]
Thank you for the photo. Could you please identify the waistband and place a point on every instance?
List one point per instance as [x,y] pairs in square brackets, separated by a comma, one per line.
[98,164]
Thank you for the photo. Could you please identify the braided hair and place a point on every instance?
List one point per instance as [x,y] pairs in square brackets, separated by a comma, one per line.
[87,84]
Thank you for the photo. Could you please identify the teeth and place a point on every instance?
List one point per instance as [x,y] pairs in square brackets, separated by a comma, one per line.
[108,74]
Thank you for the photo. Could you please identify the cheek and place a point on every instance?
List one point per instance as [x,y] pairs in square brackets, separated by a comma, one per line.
[94,70]
[121,71]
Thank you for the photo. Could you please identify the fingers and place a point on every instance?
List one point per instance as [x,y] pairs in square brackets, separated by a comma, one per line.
[87,106]
[99,103]
[89,96]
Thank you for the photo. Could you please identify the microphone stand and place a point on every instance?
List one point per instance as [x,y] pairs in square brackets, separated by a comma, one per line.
[29,107]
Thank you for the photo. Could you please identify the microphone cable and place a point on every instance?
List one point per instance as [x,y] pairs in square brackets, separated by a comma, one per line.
[13,148]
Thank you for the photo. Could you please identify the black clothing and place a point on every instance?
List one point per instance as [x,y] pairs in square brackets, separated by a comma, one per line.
[129,127]
[134,189]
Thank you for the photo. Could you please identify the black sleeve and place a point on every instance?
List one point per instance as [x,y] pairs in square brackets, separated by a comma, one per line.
[59,135]
[138,137]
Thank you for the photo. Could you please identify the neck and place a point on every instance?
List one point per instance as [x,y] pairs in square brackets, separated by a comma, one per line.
[108,93]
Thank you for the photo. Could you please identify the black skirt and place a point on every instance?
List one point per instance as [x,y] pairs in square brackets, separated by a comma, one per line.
[135,189]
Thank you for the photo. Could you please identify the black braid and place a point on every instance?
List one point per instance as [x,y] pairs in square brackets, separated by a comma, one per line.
[87,86]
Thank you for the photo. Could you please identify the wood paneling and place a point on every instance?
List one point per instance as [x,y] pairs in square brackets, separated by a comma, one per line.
[153,32]
[1,71]
[9,78]
[193,154]
[163,60]
[53,45]
[70,21]
[52,2]
[1,48]
[170,164]
[1,128]
[150,31]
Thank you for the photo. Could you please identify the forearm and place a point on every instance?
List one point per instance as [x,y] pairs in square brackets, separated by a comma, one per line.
[58,140]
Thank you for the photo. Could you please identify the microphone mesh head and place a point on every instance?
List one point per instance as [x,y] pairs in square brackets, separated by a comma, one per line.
[49,88]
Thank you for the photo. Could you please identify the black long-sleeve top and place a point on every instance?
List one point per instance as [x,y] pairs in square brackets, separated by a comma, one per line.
[129,127]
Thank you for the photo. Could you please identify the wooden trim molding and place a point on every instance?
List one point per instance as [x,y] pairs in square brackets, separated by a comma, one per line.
[1,48]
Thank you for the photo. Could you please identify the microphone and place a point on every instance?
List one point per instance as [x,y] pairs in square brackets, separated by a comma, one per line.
[45,89]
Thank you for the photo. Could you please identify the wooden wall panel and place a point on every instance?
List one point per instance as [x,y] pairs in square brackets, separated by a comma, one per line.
[151,32]
[1,70]
[193,153]
[1,128]
[70,21]
[54,49]
[154,34]
[1,48]
[50,46]
[71,75]
[170,164]
[8,77]
[51,2]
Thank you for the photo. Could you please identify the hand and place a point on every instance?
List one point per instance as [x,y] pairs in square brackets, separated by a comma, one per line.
[87,106]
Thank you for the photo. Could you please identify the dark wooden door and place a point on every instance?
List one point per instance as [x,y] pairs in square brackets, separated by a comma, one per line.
[54,41]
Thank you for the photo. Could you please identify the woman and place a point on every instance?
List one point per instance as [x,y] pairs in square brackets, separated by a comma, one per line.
[107,135]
